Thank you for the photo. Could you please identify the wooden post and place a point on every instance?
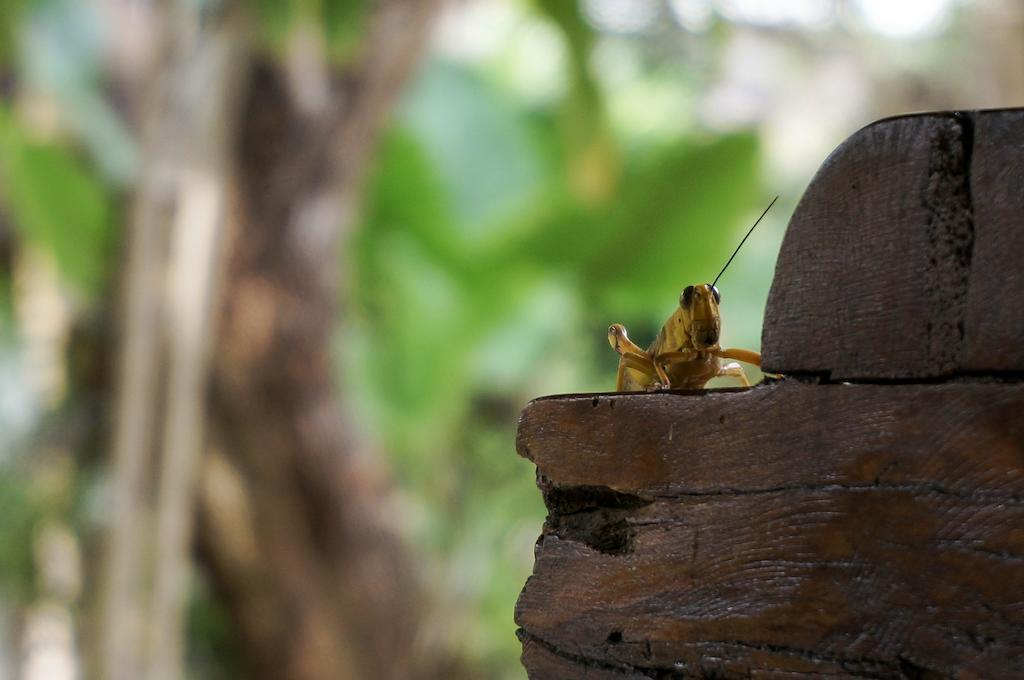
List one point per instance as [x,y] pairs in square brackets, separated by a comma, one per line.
[864,516]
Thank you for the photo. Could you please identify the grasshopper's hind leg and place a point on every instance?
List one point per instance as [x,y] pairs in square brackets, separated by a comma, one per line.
[621,343]
[640,363]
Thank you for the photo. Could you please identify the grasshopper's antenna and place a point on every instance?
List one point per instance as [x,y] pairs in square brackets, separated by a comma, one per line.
[743,241]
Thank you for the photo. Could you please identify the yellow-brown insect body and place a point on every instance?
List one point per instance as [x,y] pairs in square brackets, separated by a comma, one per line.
[686,353]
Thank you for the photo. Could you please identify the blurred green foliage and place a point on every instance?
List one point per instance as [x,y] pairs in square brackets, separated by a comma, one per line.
[10,17]
[341,23]
[57,204]
[484,274]
[21,514]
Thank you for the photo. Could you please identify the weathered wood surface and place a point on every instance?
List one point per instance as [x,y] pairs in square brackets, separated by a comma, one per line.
[902,259]
[994,334]
[809,526]
[734,531]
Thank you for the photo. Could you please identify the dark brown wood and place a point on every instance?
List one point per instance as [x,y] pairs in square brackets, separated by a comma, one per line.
[851,529]
[812,526]
[780,435]
[995,296]
[902,258]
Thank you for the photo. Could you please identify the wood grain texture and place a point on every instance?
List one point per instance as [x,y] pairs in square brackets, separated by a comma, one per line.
[902,259]
[849,530]
[995,297]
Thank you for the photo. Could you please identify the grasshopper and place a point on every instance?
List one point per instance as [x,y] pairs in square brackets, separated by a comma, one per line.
[686,353]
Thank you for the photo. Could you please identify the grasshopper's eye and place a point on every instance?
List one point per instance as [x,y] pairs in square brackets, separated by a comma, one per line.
[716,294]
[686,297]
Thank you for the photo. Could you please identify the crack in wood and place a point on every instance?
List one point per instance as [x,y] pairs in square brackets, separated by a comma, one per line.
[708,666]
[606,531]
[860,666]
[957,378]
[915,488]
[569,500]
[912,488]
[580,659]
[950,228]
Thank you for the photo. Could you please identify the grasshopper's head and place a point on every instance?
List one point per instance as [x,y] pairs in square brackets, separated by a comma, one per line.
[699,305]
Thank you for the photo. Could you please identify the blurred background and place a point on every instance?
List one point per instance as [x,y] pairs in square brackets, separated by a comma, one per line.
[277,277]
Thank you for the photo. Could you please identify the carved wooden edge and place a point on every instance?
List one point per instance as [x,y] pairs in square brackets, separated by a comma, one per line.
[776,435]
[731,533]
[903,257]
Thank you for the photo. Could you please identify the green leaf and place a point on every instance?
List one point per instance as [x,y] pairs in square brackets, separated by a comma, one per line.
[479,144]
[21,513]
[593,160]
[275,18]
[671,223]
[402,340]
[406,196]
[344,24]
[674,223]
[57,204]
[10,16]
[579,39]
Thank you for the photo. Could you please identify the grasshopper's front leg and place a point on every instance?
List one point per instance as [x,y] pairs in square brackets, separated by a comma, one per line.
[669,358]
[631,356]
[665,360]
[736,371]
[744,355]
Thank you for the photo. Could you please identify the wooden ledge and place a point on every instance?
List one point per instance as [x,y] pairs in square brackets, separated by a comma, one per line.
[852,529]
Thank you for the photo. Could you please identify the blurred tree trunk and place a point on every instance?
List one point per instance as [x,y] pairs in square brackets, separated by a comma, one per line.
[172,267]
[295,525]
